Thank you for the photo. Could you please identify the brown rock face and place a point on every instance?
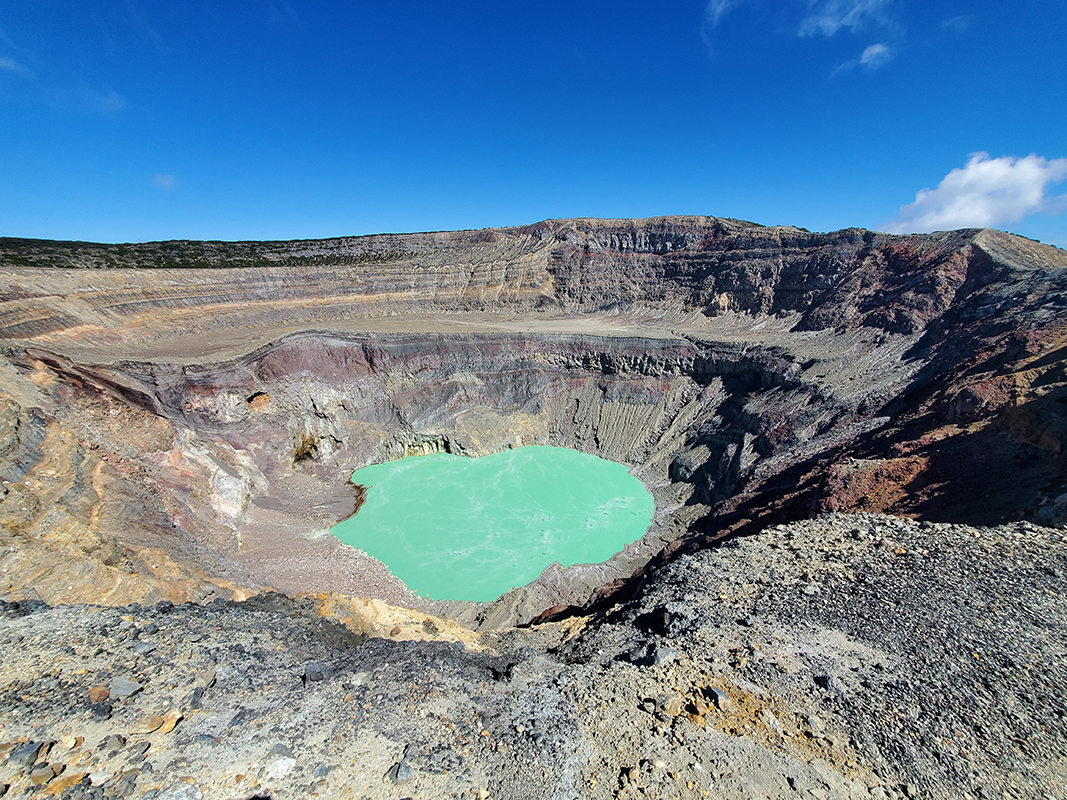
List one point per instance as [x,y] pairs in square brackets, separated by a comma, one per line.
[179,419]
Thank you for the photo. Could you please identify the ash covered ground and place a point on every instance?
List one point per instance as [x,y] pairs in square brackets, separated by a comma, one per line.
[851,656]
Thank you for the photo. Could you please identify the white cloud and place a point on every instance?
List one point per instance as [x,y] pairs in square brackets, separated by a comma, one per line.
[876,55]
[872,57]
[960,24]
[8,64]
[164,181]
[83,99]
[817,18]
[715,10]
[829,16]
[986,192]
[105,101]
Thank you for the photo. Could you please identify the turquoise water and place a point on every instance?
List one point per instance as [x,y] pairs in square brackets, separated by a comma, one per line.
[457,528]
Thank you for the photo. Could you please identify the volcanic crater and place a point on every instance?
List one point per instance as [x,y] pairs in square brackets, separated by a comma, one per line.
[180,418]
[852,587]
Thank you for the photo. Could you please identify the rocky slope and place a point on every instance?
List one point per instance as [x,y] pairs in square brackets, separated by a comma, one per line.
[844,657]
[179,418]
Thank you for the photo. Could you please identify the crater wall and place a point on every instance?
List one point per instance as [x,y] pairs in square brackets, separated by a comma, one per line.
[180,418]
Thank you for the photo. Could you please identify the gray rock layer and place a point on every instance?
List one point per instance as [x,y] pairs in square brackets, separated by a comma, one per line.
[179,419]
[843,657]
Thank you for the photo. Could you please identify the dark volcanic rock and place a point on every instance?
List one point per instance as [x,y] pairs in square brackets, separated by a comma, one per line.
[180,423]
[932,657]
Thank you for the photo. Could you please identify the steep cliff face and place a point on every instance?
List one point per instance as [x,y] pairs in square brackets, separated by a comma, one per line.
[206,401]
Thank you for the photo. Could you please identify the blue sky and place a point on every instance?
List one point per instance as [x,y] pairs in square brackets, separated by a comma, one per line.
[129,120]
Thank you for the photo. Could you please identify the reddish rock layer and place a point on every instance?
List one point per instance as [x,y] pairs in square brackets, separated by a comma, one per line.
[205,401]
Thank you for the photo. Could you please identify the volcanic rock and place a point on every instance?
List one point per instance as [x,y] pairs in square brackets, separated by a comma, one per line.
[560,710]
[178,422]
[179,419]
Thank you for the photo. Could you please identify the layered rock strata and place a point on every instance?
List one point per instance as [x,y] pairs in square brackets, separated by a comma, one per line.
[179,419]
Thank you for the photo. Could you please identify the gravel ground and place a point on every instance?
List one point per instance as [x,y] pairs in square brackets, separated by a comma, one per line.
[912,658]
[842,657]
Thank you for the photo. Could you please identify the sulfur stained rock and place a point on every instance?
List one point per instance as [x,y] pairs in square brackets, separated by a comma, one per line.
[64,783]
[43,773]
[170,719]
[147,724]
[259,402]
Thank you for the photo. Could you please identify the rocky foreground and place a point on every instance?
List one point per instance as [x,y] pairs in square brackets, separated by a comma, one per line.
[850,656]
